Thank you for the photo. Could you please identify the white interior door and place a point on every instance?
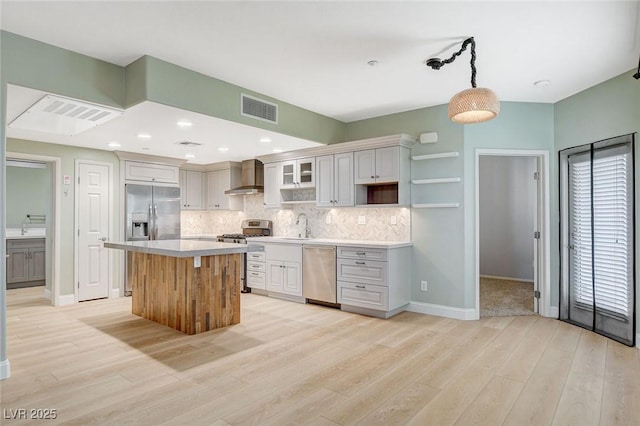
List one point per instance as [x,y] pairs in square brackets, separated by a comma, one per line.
[93,219]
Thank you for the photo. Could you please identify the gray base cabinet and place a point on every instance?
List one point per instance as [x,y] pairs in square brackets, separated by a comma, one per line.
[26,260]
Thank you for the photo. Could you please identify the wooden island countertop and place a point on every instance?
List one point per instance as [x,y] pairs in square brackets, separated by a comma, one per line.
[191,286]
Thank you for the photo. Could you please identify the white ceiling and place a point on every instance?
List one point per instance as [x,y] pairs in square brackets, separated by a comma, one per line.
[315,54]
[159,121]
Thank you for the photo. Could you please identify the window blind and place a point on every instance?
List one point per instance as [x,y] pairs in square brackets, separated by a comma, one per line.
[600,231]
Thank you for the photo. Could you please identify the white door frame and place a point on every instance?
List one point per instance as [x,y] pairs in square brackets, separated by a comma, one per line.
[110,236]
[53,229]
[544,258]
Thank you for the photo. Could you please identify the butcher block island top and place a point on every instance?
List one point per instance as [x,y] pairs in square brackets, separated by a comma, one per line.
[191,286]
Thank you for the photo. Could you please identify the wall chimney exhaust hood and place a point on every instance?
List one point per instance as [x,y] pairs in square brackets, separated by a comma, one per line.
[252,179]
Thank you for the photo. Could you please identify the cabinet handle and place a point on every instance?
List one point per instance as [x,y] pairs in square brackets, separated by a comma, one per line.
[377,176]
[255,274]
[360,286]
[373,177]
[361,263]
[361,253]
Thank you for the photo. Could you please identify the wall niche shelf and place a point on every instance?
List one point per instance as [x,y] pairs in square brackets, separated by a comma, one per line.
[436,206]
[435,180]
[434,156]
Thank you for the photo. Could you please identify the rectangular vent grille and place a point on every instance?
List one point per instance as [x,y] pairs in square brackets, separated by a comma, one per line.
[259,109]
[65,116]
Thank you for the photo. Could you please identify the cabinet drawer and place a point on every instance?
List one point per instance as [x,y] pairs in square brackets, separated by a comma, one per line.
[256,280]
[362,253]
[257,256]
[256,266]
[362,271]
[363,295]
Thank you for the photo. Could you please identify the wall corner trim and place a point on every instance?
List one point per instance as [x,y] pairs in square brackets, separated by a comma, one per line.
[465,314]
[66,299]
[5,369]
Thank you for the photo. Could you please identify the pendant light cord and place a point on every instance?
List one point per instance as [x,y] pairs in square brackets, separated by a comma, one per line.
[436,63]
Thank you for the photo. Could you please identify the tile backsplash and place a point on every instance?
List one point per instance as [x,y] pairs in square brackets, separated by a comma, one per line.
[343,222]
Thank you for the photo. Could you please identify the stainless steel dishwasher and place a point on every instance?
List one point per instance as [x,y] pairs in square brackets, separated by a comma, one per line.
[319,274]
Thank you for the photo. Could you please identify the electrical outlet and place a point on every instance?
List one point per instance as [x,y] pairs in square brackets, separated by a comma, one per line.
[423,285]
[327,219]
[394,220]
[362,220]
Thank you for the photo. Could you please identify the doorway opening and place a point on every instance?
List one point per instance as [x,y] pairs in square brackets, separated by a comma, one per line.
[36,242]
[512,237]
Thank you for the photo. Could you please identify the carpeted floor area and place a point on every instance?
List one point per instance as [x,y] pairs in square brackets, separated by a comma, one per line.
[505,298]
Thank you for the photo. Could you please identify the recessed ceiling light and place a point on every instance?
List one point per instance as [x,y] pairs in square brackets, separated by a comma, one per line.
[373,63]
[144,136]
[114,144]
[542,83]
[276,150]
[223,149]
[265,139]
[189,155]
[184,123]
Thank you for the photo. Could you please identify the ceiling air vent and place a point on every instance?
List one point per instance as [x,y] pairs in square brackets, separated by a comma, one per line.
[259,109]
[63,116]
[188,143]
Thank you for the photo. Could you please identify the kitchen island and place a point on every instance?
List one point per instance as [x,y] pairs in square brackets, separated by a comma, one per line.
[191,286]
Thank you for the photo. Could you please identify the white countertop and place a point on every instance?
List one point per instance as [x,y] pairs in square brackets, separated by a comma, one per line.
[16,233]
[180,248]
[332,242]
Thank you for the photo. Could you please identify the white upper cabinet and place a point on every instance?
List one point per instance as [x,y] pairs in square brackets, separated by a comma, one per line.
[272,175]
[151,172]
[379,165]
[334,183]
[191,190]
[219,181]
[298,174]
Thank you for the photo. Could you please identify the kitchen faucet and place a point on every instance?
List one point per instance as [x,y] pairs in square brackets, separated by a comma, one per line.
[306,225]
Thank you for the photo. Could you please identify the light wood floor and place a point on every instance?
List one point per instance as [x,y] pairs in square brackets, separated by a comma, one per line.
[288,363]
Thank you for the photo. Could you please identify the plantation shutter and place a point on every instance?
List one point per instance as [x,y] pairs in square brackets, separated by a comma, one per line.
[600,293]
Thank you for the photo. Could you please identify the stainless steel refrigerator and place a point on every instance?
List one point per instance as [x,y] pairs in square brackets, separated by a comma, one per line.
[152,213]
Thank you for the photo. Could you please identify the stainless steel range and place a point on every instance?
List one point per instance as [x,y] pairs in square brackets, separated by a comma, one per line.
[250,228]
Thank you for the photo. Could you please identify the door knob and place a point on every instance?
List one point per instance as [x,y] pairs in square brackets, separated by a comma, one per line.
[103,239]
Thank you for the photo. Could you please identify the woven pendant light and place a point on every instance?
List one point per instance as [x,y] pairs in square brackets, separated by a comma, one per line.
[473,105]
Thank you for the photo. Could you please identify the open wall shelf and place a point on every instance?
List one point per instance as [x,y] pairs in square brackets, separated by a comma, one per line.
[435,180]
[436,206]
[435,156]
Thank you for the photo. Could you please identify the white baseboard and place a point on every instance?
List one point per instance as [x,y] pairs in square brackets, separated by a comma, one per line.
[115,292]
[443,311]
[495,277]
[5,369]
[66,299]
[47,293]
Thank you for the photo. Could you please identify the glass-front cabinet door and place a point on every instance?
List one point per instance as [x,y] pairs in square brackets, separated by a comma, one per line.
[298,174]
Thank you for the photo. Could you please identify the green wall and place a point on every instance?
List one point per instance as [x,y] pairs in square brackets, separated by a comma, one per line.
[28,192]
[68,156]
[444,239]
[173,85]
[609,109]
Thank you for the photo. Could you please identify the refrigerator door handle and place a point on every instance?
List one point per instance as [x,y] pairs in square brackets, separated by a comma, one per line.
[155,221]
[152,223]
